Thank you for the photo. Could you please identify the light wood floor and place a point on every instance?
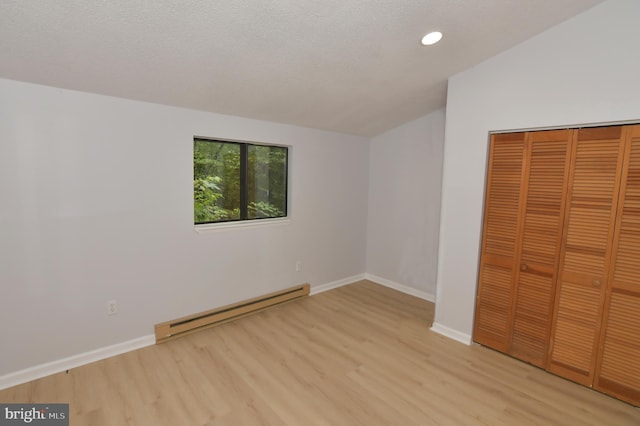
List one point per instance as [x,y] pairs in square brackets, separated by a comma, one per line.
[360,354]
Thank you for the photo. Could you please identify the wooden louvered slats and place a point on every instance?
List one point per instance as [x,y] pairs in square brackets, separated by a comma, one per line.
[529,340]
[594,185]
[559,281]
[574,329]
[504,199]
[495,301]
[500,237]
[545,186]
[618,367]
[619,371]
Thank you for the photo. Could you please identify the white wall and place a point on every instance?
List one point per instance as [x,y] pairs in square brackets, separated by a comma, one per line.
[405,173]
[583,71]
[96,204]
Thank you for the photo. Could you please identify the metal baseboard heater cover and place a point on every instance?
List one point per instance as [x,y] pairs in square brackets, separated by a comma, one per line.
[196,322]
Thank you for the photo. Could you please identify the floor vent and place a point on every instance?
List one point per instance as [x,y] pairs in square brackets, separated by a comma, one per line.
[189,324]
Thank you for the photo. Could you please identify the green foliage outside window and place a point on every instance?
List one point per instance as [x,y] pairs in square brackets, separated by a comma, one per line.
[224,190]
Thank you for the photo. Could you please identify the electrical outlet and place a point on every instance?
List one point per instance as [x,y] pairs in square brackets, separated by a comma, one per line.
[298,266]
[112,307]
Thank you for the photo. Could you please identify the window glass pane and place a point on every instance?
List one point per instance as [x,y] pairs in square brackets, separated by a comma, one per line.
[266,181]
[216,181]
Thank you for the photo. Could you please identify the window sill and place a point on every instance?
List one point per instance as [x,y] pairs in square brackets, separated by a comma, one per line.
[261,223]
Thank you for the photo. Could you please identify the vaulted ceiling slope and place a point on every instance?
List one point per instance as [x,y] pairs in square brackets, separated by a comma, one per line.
[351,66]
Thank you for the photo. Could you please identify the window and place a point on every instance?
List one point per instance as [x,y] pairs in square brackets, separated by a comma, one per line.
[238,181]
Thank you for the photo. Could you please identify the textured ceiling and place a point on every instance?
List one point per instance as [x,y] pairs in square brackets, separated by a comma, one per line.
[352,66]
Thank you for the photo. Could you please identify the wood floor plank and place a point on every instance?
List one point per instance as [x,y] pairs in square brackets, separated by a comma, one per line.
[359,354]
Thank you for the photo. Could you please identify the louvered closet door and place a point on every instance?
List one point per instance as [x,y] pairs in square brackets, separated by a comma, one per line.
[545,186]
[585,253]
[500,240]
[618,369]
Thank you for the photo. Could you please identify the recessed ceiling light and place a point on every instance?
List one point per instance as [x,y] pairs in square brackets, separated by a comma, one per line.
[431,38]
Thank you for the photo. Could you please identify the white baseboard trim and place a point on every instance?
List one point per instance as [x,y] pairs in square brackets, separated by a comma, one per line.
[53,367]
[57,366]
[335,284]
[401,287]
[451,333]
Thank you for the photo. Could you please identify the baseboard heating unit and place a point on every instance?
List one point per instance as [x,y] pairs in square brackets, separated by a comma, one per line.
[189,324]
